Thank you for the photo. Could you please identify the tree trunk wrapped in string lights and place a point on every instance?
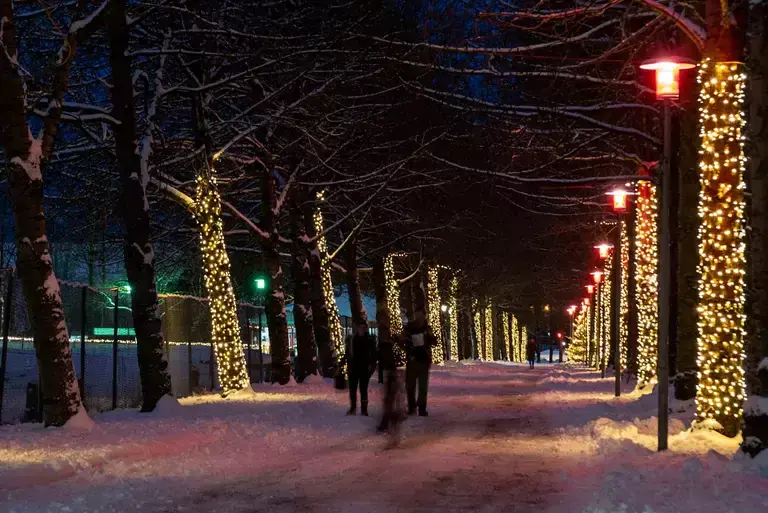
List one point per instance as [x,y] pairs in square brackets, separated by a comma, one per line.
[477,317]
[722,264]
[515,339]
[624,300]
[646,280]
[505,336]
[329,298]
[488,330]
[225,328]
[393,305]
[605,313]
[453,319]
[433,313]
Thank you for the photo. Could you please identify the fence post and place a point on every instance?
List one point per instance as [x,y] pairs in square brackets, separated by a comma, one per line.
[213,374]
[6,327]
[189,359]
[250,342]
[114,352]
[83,329]
[261,353]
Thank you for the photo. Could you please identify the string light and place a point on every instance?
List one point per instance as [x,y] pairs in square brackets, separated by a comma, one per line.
[722,264]
[225,326]
[489,333]
[478,330]
[393,305]
[605,314]
[329,298]
[624,302]
[577,349]
[505,339]
[453,318]
[646,279]
[516,340]
[433,302]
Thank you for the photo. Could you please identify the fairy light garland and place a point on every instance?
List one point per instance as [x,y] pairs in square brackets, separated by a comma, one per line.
[646,279]
[453,318]
[393,305]
[225,326]
[577,349]
[721,387]
[516,340]
[489,333]
[624,300]
[478,342]
[505,335]
[433,314]
[329,298]
[606,289]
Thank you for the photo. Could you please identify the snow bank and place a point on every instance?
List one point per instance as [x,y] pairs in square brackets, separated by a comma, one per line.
[79,422]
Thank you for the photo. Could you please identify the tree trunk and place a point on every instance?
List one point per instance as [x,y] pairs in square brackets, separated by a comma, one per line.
[755,427]
[320,314]
[24,157]
[419,293]
[406,295]
[687,249]
[306,359]
[359,315]
[138,251]
[275,304]
[632,330]
[383,315]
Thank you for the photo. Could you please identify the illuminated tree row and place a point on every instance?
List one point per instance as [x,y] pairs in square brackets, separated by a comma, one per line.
[433,313]
[646,282]
[721,386]
[329,298]
[225,326]
[624,302]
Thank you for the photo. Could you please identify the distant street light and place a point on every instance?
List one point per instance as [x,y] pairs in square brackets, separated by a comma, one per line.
[597,276]
[590,289]
[604,249]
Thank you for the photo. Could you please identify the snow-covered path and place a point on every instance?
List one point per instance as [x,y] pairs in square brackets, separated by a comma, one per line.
[498,438]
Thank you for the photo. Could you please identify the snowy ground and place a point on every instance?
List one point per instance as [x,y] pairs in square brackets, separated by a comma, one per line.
[498,438]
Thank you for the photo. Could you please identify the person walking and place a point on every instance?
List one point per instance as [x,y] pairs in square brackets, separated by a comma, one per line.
[532,350]
[419,351]
[360,358]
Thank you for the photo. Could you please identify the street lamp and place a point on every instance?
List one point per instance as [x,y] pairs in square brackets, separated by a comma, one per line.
[597,276]
[590,289]
[619,205]
[604,249]
[667,88]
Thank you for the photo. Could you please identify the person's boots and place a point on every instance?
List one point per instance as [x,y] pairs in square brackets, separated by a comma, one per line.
[352,408]
[364,408]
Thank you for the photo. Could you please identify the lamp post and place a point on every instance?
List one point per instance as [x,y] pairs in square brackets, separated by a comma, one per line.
[597,308]
[667,89]
[604,251]
[619,204]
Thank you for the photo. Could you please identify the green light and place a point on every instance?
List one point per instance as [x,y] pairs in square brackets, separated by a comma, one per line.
[261,283]
[121,332]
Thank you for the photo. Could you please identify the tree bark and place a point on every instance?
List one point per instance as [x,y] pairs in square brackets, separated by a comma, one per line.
[320,314]
[359,315]
[24,158]
[632,331]
[275,303]
[755,426]
[306,359]
[138,251]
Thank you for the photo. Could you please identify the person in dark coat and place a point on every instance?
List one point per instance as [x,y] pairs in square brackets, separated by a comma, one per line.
[532,350]
[419,342]
[361,358]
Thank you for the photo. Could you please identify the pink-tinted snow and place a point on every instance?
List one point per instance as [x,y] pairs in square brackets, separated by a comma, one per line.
[498,438]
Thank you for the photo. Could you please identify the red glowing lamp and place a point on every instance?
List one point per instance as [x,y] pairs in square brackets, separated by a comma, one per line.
[559,335]
[590,289]
[604,249]
[572,310]
[586,301]
[597,276]
[668,74]
[619,199]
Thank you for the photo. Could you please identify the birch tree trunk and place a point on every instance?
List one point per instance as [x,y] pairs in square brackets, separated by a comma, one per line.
[306,359]
[755,427]
[138,252]
[24,159]
[276,317]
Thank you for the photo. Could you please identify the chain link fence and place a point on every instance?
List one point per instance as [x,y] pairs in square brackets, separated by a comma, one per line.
[103,347]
